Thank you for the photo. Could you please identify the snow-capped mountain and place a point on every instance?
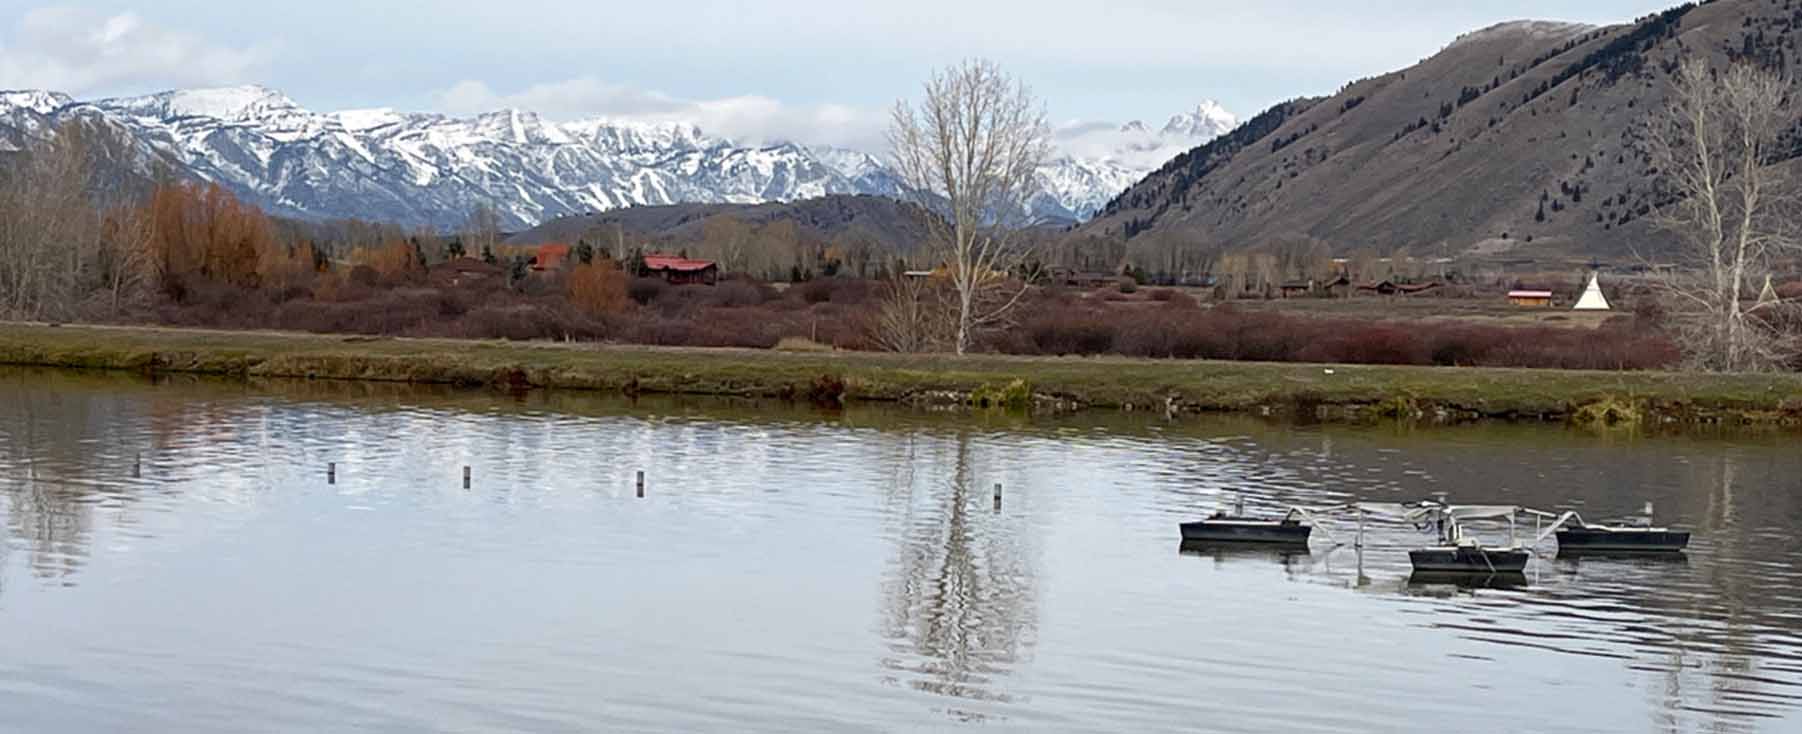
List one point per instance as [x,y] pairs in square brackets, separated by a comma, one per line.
[429,169]
[1103,155]
[1209,120]
[1073,189]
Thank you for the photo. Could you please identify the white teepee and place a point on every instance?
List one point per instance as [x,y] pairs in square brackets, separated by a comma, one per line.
[1768,296]
[1592,299]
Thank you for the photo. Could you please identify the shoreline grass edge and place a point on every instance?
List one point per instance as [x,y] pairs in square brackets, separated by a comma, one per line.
[1311,391]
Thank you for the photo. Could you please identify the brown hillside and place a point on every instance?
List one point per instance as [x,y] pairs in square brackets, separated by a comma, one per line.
[1455,154]
[895,226]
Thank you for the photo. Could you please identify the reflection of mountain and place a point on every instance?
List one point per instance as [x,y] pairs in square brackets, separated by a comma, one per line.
[959,600]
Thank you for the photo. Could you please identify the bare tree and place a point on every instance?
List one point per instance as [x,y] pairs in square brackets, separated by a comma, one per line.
[910,316]
[49,227]
[1730,209]
[1233,267]
[969,151]
[727,238]
[483,231]
[860,248]
[126,262]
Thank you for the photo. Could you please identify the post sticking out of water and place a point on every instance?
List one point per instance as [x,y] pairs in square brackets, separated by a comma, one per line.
[997,496]
[1239,505]
[137,466]
[1359,543]
[641,484]
[466,477]
[331,472]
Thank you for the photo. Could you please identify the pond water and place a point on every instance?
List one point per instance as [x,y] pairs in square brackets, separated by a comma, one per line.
[798,569]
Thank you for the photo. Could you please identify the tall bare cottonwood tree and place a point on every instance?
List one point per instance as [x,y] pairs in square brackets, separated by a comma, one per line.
[49,227]
[969,151]
[1733,211]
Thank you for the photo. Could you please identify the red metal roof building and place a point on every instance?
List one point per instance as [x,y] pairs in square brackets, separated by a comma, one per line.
[550,257]
[1539,299]
[681,270]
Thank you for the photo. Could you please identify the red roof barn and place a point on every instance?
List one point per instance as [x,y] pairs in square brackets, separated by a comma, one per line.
[681,270]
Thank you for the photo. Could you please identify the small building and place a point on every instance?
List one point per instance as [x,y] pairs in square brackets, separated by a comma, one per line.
[1081,279]
[1337,287]
[1296,288]
[1330,288]
[1391,288]
[550,257]
[1531,299]
[677,270]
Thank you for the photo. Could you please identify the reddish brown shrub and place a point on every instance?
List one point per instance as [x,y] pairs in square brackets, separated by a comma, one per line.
[835,312]
[365,276]
[645,290]
[1068,331]
[818,290]
[739,293]
[598,289]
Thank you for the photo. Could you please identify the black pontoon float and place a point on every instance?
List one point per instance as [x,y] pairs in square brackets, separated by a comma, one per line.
[1237,528]
[1634,536]
[1456,552]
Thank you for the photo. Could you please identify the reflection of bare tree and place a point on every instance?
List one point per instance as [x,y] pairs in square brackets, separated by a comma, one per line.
[1734,605]
[49,513]
[959,601]
[1738,645]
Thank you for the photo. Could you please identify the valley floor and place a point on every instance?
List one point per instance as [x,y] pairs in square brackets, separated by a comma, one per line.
[1326,392]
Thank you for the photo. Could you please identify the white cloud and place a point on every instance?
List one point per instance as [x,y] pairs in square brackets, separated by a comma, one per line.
[82,52]
[1136,150]
[744,118]
[1140,145]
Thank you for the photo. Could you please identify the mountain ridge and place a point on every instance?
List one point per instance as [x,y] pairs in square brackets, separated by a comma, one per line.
[1523,139]
[431,169]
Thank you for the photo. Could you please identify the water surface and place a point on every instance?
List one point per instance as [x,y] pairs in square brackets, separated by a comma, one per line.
[797,569]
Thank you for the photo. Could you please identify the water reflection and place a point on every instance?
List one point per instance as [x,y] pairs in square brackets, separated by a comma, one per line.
[959,596]
[741,592]
[1435,582]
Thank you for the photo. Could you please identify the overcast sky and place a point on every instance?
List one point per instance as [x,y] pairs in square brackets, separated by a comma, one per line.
[812,70]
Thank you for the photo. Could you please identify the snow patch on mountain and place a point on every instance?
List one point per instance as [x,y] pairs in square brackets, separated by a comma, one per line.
[359,121]
[37,101]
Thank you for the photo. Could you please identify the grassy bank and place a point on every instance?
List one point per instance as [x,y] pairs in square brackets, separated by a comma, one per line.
[1337,392]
